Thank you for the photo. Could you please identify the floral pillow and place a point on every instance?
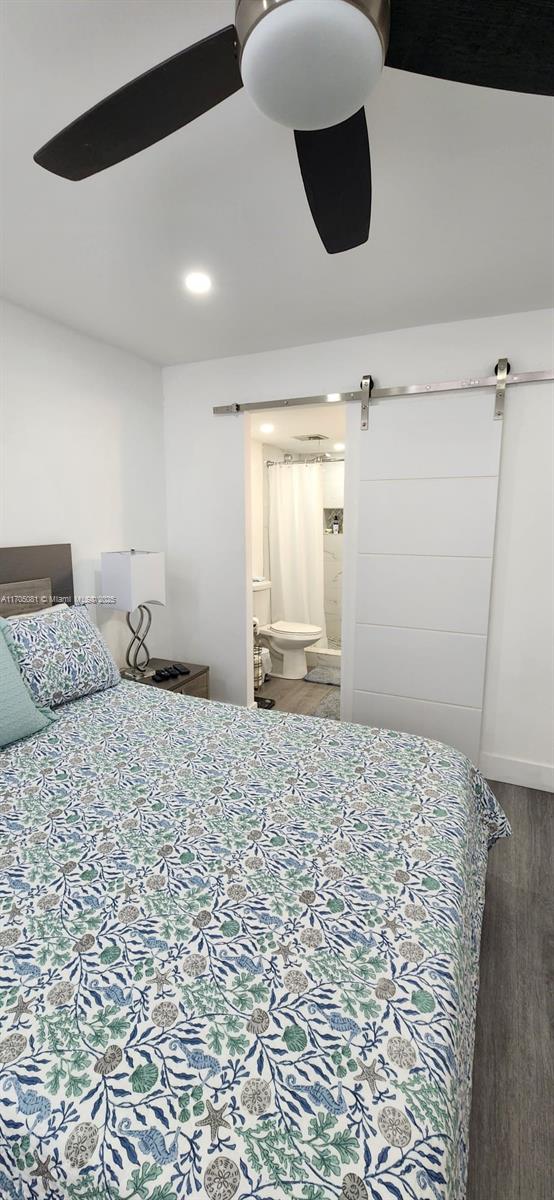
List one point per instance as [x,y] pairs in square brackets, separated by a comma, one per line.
[62,656]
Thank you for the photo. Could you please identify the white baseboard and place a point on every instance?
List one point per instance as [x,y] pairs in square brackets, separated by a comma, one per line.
[517,771]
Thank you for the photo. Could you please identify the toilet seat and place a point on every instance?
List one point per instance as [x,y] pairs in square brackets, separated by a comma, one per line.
[293,627]
[291,639]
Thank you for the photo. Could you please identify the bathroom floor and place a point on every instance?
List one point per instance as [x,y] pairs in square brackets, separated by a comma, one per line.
[297,696]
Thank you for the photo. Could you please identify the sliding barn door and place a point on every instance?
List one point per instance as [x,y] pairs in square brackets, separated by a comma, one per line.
[421,501]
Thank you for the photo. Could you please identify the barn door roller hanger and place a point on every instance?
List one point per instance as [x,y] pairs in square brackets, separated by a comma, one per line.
[369,394]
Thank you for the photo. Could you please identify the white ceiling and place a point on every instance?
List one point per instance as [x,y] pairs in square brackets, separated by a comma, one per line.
[290,424]
[462,213]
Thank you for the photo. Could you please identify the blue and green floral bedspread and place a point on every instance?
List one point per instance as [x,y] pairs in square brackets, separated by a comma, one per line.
[238,956]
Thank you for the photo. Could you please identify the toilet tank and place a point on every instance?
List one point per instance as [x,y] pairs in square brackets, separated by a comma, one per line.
[261,600]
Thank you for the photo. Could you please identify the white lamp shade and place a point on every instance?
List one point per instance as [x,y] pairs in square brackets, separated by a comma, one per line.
[134,577]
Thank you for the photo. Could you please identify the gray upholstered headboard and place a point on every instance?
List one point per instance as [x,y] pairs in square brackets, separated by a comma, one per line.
[34,577]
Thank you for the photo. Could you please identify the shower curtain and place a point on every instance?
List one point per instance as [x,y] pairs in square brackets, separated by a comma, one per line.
[296,544]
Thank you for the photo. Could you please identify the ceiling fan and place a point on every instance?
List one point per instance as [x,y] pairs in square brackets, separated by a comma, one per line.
[310,65]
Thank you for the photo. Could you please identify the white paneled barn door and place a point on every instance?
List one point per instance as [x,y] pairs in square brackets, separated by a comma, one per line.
[421,498]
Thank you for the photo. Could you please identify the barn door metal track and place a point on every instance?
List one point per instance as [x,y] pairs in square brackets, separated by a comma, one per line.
[368,393]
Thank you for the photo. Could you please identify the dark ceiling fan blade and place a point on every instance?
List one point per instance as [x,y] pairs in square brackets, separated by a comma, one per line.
[492,43]
[147,109]
[336,173]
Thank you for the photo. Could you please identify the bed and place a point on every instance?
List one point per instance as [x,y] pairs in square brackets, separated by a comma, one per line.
[238,955]
[238,950]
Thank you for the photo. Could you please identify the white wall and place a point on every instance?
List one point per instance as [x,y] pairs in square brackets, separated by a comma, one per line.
[208,513]
[257,507]
[207,465]
[81,451]
[269,454]
[82,460]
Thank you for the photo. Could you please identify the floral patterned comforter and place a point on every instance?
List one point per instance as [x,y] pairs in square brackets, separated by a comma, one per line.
[238,956]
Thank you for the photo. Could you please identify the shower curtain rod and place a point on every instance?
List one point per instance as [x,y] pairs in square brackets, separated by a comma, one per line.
[317,461]
[369,393]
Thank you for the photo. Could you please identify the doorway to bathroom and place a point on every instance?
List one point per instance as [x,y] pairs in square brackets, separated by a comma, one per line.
[297,464]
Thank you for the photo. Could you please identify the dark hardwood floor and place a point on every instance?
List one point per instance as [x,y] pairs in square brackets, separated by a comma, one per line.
[295,695]
[512,1119]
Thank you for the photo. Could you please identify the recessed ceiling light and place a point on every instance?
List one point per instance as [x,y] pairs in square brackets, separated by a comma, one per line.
[198,283]
[267,428]
[338,446]
[333,397]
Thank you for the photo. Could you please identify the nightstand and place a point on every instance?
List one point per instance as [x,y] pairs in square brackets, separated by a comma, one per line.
[196,683]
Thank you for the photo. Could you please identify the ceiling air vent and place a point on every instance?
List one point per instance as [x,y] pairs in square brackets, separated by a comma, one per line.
[311,437]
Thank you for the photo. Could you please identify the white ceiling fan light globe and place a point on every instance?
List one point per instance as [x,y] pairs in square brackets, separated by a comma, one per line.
[309,64]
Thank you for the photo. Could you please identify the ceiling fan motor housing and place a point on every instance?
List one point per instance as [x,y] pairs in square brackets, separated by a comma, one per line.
[308,64]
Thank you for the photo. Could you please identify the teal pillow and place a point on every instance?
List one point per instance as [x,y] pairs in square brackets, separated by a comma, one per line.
[19,715]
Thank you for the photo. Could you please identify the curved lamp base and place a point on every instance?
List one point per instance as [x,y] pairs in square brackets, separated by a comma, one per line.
[137,656]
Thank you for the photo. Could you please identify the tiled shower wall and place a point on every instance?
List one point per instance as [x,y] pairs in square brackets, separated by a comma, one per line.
[333,498]
[332,566]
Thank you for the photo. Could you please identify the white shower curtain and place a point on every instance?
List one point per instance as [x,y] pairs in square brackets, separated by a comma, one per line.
[296,544]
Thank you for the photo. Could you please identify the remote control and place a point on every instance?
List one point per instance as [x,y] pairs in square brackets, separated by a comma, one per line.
[181,669]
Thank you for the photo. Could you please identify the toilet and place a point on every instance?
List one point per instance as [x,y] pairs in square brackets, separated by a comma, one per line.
[292,640]
[288,638]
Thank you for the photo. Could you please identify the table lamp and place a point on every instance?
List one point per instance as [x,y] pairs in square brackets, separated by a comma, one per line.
[135,579]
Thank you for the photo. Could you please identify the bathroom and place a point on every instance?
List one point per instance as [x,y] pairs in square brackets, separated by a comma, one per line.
[297,527]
